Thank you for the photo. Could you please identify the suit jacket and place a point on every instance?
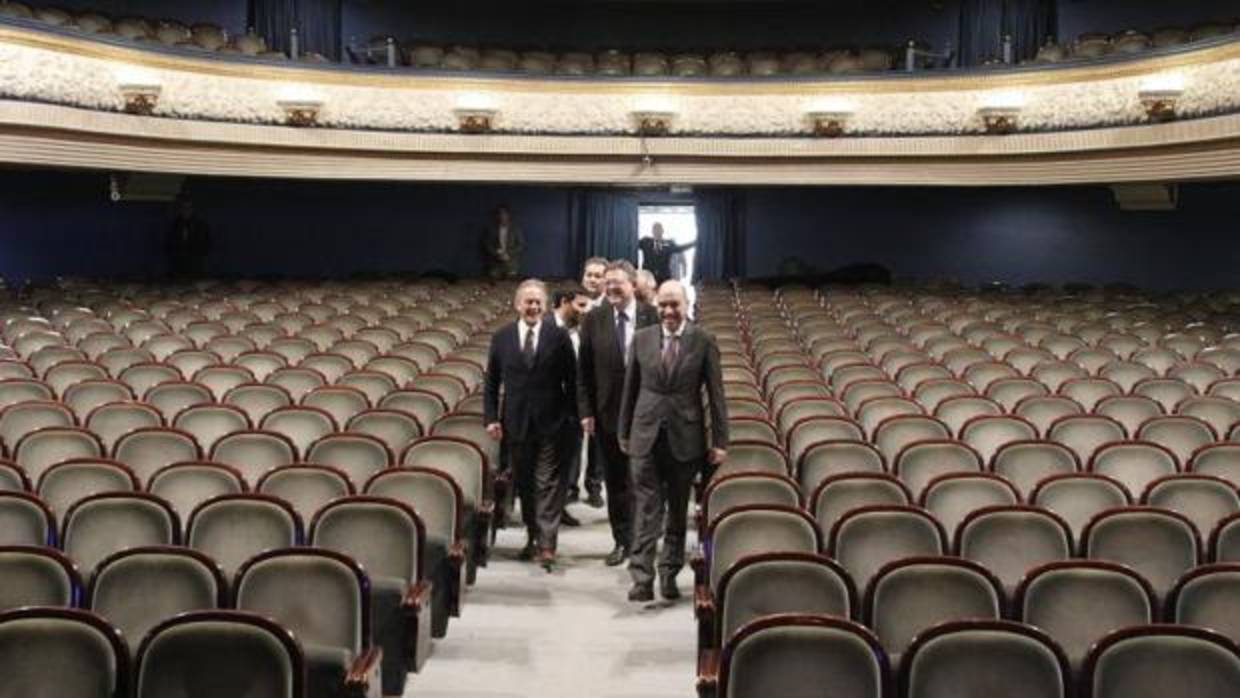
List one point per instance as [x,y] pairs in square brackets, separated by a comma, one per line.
[537,399]
[655,399]
[658,260]
[600,365]
[490,244]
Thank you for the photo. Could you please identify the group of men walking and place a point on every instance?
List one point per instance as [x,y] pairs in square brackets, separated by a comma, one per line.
[636,379]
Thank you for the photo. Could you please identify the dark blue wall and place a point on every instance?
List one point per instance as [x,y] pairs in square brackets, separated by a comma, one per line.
[1017,235]
[59,224]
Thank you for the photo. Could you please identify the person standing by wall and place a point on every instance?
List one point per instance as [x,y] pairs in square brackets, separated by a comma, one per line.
[187,242]
[503,242]
[657,253]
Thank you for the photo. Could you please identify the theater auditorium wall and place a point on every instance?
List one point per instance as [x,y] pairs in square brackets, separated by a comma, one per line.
[60,224]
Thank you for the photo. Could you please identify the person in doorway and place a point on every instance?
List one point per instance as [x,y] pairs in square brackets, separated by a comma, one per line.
[503,242]
[570,307]
[646,286]
[663,431]
[657,253]
[531,360]
[187,242]
[606,338]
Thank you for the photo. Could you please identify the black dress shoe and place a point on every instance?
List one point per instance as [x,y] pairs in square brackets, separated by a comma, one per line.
[641,592]
[594,500]
[567,519]
[528,552]
[617,556]
[668,589]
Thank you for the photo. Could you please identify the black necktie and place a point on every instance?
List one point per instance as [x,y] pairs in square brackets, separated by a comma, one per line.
[622,321]
[527,350]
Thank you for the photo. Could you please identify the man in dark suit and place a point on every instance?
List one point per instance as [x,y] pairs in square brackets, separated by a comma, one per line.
[606,338]
[662,429]
[532,360]
[657,253]
[502,245]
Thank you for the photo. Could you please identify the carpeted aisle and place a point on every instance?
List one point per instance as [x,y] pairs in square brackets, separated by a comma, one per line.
[570,634]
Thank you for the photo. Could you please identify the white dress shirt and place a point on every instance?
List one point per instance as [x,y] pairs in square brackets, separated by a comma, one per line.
[574,334]
[668,334]
[503,238]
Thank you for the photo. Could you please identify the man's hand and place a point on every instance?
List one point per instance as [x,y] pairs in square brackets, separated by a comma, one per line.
[495,430]
[587,425]
[717,456]
[624,446]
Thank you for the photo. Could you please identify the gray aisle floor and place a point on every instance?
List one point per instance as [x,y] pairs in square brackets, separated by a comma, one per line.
[570,634]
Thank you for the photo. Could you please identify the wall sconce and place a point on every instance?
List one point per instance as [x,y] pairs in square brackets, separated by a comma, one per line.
[140,99]
[476,120]
[999,121]
[828,124]
[653,123]
[1160,103]
[301,112]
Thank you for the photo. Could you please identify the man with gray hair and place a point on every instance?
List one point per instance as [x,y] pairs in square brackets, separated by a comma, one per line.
[646,286]
[663,431]
[532,361]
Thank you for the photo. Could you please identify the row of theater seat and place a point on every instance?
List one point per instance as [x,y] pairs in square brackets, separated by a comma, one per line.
[199,37]
[858,478]
[374,383]
[346,627]
[1096,45]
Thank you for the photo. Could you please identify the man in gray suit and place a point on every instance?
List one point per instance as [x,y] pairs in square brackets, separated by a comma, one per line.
[663,431]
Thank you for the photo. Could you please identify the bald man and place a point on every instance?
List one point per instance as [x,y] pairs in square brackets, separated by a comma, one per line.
[663,431]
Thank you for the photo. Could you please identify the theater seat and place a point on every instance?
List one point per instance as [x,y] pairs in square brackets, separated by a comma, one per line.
[1208,597]
[231,529]
[137,589]
[985,658]
[37,576]
[219,653]
[61,652]
[1163,660]
[320,596]
[796,656]
[102,524]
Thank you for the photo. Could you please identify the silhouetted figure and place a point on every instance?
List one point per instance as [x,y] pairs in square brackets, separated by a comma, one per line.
[187,242]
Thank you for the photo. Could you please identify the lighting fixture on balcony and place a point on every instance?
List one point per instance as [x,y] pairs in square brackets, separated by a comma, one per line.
[140,98]
[653,123]
[1160,103]
[1000,121]
[476,120]
[828,124]
[301,112]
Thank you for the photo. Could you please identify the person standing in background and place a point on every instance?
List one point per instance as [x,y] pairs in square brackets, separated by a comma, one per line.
[569,308]
[503,242]
[531,362]
[657,253]
[592,279]
[646,286]
[187,242]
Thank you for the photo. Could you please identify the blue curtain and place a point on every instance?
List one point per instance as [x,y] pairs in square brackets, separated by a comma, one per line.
[721,235]
[318,24]
[272,20]
[603,224]
[984,23]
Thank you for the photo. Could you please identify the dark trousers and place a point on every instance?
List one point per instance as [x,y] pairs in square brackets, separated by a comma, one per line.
[661,486]
[594,467]
[535,467]
[618,476]
[570,461]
